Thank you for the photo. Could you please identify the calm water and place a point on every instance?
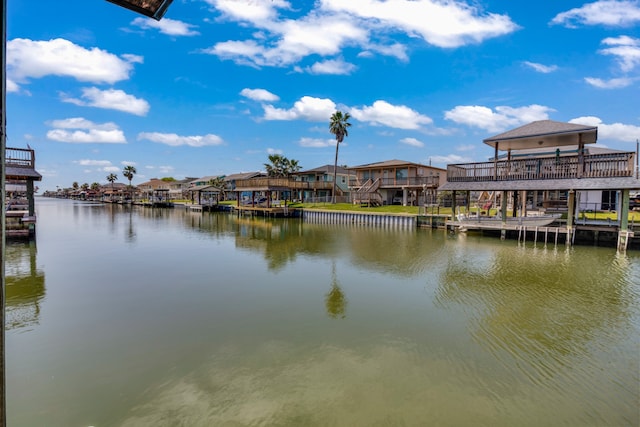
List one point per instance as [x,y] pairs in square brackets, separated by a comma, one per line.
[145,317]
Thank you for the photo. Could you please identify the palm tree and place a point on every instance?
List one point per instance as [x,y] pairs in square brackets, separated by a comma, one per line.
[338,126]
[129,171]
[280,166]
[112,177]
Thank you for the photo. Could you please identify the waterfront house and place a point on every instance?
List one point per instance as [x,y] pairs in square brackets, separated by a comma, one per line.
[324,174]
[395,182]
[551,178]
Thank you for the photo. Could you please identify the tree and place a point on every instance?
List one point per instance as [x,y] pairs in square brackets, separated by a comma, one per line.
[85,186]
[95,186]
[129,171]
[280,166]
[338,126]
[75,185]
[112,177]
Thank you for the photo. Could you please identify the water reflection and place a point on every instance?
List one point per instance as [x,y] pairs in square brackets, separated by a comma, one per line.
[335,300]
[536,306]
[25,285]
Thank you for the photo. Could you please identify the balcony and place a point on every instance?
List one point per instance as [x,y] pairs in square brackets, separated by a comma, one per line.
[281,184]
[20,158]
[417,182]
[610,165]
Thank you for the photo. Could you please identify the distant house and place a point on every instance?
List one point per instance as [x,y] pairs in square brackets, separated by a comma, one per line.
[324,174]
[199,182]
[111,191]
[232,182]
[395,182]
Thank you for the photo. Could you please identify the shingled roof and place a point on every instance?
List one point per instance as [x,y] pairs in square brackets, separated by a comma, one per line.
[544,133]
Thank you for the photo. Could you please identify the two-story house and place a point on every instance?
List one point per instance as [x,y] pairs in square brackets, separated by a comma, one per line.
[395,182]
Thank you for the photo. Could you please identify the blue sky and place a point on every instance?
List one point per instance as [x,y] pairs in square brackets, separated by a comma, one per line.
[218,85]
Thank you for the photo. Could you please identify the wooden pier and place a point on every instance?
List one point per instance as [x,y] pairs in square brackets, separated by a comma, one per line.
[274,212]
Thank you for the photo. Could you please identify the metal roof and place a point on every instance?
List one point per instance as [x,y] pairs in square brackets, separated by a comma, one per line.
[544,133]
[393,163]
[13,172]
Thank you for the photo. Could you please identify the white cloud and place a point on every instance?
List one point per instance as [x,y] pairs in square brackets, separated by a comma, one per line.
[615,83]
[257,12]
[110,169]
[450,159]
[259,95]
[81,123]
[541,68]
[175,140]
[332,66]
[395,116]
[611,13]
[86,132]
[500,120]
[166,26]
[87,137]
[87,162]
[626,51]
[59,57]
[316,142]
[615,131]
[333,25]
[291,40]
[12,86]
[307,108]
[443,24]
[128,163]
[112,99]
[274,151]
[412,142]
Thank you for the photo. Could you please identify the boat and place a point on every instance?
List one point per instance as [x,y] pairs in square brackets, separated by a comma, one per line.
[539,220]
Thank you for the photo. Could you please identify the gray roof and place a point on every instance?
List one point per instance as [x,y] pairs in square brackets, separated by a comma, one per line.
[325,169]
[207,189]
[544,133]
[392,163]
[13,172]
[551,184]
[242,175]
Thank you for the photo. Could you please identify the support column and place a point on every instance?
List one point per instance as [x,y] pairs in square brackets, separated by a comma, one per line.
[468,201]
[453,205]
[503,215]
[570,213]
[404,196]
[624,234]
[31,197]
[523,197]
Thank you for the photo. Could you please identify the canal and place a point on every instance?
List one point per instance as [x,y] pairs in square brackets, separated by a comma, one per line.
[133,316]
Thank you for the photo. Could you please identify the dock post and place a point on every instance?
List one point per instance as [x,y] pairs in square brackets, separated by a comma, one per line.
[570,212]
[503,212]
[624,234]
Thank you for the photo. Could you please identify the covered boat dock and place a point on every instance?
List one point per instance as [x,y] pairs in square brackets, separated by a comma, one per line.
[545,159]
